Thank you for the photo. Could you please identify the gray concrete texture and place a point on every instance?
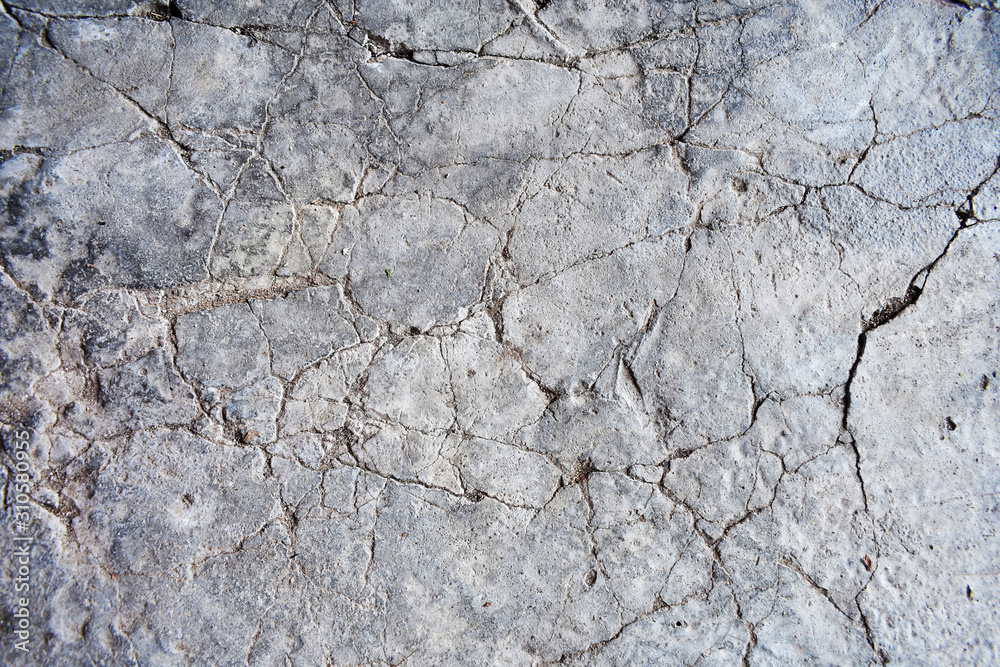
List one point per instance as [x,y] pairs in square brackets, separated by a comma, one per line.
[502,332]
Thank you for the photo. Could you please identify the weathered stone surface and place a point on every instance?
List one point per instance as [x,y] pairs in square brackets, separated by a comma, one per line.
[304,327]
[936,416]
[254,232]
[570,325]
[145,393]
[412,262]
[125,214]
[222,347]
[482,371]
[505,332]
[427,404]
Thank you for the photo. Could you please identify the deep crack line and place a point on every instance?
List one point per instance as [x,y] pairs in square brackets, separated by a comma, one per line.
[893,308]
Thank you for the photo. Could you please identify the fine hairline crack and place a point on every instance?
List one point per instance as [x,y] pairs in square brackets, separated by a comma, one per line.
[496,281]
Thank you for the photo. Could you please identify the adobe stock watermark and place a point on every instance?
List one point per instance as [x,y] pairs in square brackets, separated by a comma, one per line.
[18,447]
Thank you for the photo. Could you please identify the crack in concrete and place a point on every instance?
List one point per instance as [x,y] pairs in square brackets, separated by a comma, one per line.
[714,65]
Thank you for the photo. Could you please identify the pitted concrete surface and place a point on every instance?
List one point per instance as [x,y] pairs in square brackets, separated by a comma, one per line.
[501,332]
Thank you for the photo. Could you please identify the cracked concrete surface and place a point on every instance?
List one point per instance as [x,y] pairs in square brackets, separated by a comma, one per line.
[505,332]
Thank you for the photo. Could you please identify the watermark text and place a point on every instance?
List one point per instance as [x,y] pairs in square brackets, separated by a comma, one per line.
[19,441]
